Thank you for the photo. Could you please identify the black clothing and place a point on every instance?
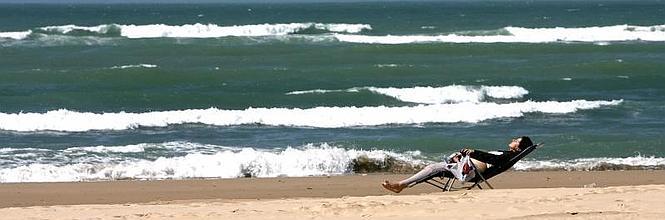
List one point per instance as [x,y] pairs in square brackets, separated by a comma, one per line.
[493,159]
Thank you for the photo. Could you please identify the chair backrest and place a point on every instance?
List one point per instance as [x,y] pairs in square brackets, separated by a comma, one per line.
[495,170]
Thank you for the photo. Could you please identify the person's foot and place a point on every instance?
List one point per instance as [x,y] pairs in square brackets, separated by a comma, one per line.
[395,187]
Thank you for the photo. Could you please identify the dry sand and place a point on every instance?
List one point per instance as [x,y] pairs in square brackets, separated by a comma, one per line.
[525,195]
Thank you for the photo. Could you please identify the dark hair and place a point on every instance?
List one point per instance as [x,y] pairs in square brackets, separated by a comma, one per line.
[525,142]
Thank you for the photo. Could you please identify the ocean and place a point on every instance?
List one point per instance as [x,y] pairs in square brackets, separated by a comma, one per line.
[103,92]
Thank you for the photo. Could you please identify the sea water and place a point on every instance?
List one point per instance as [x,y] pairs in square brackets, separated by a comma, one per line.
[174,91]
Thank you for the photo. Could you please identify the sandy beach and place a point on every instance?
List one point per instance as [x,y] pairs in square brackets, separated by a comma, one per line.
[527,195]
[301,109]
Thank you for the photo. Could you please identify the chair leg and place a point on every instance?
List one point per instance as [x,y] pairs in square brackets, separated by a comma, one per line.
[451,184]
[472,186]
[435,185]
[439,182]
[447,186]
[488,184]
[482,180]
[477,184]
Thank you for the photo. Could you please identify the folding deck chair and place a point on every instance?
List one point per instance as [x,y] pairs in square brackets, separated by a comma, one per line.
[479,177]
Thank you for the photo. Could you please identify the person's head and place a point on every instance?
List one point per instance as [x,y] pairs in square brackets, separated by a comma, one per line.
[519,143]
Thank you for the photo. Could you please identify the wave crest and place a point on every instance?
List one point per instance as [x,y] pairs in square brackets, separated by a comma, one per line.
[142,65]
[523,35]
[144,161]
[322,117]
[308,160]
[638,162]
[436,95]
[212,30]
[186,31]
[351,33]
[451,94]
[15,35]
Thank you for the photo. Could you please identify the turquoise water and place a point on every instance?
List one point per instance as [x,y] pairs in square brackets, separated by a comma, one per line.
[102,92]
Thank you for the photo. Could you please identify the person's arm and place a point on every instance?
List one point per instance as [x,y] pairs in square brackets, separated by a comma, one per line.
[454,158]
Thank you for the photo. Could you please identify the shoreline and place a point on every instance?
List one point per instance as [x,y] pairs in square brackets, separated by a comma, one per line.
[359,185]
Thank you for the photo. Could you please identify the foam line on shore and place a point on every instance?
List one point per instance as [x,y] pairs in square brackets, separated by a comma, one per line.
[194,160]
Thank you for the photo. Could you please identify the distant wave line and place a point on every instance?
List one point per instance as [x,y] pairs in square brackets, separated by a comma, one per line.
[196,30]
[142,65]
[335,32]
[522,35]
[435,95]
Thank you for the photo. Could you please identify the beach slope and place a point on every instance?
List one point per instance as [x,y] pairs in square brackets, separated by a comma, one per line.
[519,195]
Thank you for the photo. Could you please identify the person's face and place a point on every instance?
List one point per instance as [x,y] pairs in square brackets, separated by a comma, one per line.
[514,144]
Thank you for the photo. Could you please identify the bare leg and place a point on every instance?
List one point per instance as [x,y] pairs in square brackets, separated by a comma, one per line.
[421,175]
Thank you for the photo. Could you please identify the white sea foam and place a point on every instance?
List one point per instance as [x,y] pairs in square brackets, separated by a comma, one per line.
[504,92]
[355,89]
[44,40]
[105,149]
[437,95]
[525,35]
[9,150]
[231,163]
[603,35]
[391,65]
[343,28]
[178,146]
[451,94]
[208,30]
[15,35]
[324,117]
[65,29]
[601,163]
[142,65]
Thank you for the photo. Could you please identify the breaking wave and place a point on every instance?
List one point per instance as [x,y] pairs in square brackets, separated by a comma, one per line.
[638,162]
[80,163]
[193,160]
[142,65]
[322,117]
[309,32]
[188,30]
[437,95]
[15,35]
[523,35]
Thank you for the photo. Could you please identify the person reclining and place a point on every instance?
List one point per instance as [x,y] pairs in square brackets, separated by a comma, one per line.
[480,159]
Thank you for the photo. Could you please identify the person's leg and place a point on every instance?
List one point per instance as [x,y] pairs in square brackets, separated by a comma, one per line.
[421,175]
